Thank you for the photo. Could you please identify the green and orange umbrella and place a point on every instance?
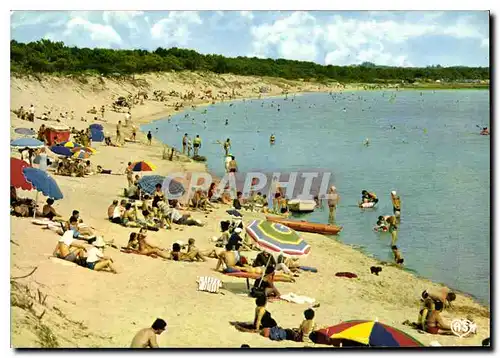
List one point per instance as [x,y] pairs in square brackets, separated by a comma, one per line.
[369,333]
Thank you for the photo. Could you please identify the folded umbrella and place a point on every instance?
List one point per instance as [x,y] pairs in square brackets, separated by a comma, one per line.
[17,178]
[42,182]
[27,143]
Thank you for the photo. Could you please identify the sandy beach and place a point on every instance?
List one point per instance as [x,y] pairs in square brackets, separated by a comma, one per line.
[85,308]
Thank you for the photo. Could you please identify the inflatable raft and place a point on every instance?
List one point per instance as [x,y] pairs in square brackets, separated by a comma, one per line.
[369,205]
[306,226]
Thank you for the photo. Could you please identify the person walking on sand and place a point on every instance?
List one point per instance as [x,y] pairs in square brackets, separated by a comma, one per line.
[227,146]
[150,137]
[119,132]
[184,143]
[146,337]
[196,145]
[333,200]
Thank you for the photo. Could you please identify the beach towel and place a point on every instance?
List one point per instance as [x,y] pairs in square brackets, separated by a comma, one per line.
[209,284]
[241,274]
[308,268]
[292,297]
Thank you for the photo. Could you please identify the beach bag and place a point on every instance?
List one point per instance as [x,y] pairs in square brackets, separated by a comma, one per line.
[209,284]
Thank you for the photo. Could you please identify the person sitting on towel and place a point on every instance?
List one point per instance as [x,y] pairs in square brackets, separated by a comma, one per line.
[48,210]
[227,258]
[145,248]
[68,248]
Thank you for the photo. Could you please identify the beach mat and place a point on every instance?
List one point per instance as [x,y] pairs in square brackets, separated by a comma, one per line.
[254,276]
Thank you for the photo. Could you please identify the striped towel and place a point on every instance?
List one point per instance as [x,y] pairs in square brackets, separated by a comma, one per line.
[209,284]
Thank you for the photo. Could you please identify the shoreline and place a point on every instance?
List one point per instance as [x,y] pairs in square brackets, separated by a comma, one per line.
[352,246]
[392,297]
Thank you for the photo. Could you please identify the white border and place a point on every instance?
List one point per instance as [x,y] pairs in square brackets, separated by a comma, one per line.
[186,5]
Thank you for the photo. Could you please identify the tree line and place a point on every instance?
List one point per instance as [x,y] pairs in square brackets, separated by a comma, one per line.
[45,56]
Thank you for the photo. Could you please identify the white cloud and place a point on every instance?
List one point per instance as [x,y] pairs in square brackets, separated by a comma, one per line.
[175,28]
[101,34]
[122,17]
[485,43]
[247,14]
[352,40]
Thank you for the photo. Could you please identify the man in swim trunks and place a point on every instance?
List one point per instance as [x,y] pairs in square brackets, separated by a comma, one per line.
[196,144]
[69,249]
[333,201]
[227,258]
[444,295]
[146,337]
[396,204]
[434,323]
[393,228]
[184,143]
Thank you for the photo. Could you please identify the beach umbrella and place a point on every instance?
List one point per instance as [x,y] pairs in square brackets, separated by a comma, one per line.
[85,149]
[148,185]
[276,238]
[60,150]
[81,155]
[24,131]
[142,166]
[96,126]
[17,177]
[27,143]
[97,135]
[370,333]
[42,182]
[70,144]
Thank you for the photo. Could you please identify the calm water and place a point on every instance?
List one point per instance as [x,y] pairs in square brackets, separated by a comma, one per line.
[434,158]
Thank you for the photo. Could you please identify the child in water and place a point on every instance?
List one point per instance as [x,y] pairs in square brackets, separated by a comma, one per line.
[397,255]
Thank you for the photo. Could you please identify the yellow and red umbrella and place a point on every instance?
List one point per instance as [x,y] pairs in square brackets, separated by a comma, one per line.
[370,333]
[86,149]
[142,166]
[70,144]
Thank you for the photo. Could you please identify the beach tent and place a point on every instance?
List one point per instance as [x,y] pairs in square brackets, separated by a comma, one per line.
[56,133]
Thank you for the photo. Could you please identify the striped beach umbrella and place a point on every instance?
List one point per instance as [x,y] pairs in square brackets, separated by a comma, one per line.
[142,166]
[148,185]
[276,238]
[81,155]
[370,333]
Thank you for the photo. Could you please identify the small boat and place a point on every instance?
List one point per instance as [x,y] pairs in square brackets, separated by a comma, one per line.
[306,226]
[301,206]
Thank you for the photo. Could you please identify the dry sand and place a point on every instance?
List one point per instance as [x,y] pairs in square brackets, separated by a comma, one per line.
[84,308]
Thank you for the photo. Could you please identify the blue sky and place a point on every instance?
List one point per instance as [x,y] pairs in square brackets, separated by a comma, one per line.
[398,38]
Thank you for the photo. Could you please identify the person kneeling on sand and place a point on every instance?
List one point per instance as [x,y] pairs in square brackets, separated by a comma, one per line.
[146,337]
[95,257]
[68,248]
[146,248]
[266,284]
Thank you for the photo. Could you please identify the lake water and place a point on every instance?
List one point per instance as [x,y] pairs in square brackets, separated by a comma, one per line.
[434,158]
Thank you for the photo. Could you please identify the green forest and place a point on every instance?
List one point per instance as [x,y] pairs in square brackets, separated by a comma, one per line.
[45,56]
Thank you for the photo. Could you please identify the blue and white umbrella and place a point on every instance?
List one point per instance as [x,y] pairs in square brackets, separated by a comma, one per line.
[43,183]
[27,143]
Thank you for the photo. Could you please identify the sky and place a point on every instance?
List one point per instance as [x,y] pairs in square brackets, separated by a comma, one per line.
[393,38]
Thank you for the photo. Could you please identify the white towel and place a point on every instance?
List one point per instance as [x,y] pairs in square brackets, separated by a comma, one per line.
[209,284]
[292,297]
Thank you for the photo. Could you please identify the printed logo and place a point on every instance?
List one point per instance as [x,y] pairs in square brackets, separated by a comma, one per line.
[463,327]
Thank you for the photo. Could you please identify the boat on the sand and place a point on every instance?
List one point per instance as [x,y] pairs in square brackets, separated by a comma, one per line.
[301,206]
[306,226]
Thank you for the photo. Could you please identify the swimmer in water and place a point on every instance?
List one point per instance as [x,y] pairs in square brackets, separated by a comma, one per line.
[397,255]
[227,121]
[366,143]
[272,139]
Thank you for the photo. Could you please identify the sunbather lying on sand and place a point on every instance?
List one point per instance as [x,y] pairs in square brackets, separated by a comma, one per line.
[146,248]
[68,248]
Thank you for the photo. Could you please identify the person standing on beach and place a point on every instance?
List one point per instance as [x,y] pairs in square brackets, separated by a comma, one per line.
[333,201]
[128,117]
[146,337]
[119,132]
[227,146]
[233,166]
[102,111]
[196,145]
[150,137]
[396,204]
[184,143]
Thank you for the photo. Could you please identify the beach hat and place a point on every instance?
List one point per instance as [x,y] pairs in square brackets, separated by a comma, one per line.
[393,192]
[237,230]
[99,242]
